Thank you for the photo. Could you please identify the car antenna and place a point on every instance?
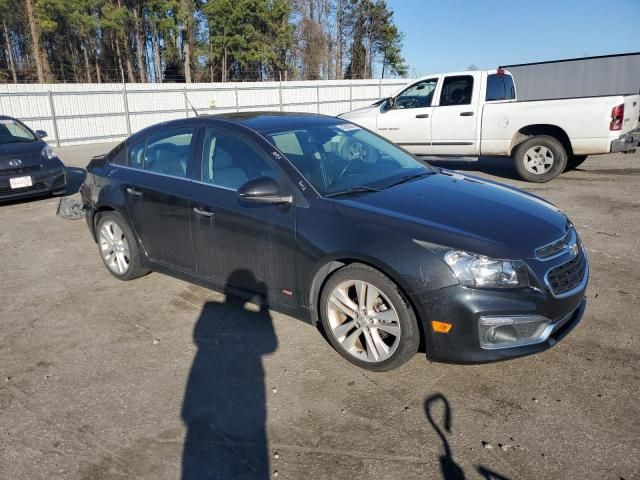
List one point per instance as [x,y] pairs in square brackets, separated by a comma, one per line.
[187,99]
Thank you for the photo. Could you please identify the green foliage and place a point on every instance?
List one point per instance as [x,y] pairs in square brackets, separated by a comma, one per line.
[96,40]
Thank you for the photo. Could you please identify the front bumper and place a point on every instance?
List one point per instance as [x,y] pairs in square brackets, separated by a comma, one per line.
[627,142]
[51,177]
[464,307]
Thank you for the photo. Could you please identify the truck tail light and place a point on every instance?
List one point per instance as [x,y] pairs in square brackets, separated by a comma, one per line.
[617,115]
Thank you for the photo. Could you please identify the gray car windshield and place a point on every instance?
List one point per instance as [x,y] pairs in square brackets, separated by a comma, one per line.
[346,158]
[14,132]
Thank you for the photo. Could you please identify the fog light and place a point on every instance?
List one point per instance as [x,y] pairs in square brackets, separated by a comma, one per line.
[516,331]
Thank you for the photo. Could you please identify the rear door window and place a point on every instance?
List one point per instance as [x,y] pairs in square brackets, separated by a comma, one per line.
[457,90]
[168,152]
[500,87]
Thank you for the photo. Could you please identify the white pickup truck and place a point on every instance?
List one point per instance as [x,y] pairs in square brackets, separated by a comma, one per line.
[476,113]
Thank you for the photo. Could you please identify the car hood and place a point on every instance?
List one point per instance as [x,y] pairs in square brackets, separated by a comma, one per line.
[29,154]
[458,211]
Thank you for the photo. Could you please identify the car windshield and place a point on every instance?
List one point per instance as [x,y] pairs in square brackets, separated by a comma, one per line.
[344,158]
[12,131]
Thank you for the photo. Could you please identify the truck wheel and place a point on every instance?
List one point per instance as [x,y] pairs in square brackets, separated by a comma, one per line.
[540,159]
[574,161]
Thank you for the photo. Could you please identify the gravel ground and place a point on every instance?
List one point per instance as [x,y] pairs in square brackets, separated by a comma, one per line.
[102,379]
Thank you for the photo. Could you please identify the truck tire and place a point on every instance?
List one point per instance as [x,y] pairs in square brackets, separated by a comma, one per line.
[540,159]
[574,161]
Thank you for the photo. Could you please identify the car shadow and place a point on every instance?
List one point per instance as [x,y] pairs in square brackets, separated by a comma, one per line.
[497,166]
[449,469]
[224,408]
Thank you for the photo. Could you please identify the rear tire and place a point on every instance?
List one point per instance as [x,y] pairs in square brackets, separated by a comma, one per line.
[367,319]
[540,159]
[574,161]
[118,248]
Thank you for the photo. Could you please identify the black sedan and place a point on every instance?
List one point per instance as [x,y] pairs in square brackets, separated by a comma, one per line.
[331,223]
[28,166]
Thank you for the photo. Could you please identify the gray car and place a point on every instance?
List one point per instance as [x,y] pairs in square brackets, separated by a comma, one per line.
[28,166]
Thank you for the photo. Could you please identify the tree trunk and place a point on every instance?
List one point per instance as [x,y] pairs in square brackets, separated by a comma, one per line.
[118,56]
[42,64]
[156,54]
[128,60]
[140,56]
[87,66]
[224,64]
[12,64]
[186,42]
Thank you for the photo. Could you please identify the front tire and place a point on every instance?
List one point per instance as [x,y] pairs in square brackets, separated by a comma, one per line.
[367,319]
[118,248]
[540,159]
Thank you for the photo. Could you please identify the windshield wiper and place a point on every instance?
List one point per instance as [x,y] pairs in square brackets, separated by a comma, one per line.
[22,140]
[406,178]
[354,189]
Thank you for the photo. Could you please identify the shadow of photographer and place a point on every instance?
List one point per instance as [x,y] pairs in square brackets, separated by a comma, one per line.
[224,406]
[449,469]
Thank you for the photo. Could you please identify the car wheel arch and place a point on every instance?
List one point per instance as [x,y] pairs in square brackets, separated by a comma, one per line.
[331,266]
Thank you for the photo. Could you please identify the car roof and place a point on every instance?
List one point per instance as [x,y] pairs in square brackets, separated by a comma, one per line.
[270,121]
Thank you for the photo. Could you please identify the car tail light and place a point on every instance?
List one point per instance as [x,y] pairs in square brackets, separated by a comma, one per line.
[617,115]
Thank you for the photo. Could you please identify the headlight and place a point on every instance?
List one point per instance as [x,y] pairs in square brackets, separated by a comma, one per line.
[478,271]
[48,153]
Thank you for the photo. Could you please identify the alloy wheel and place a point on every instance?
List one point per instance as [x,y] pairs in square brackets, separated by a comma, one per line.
[114,248]
[363,321]
[538,160]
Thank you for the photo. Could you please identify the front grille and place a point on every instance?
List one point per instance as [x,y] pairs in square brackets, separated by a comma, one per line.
[566,277]
[555,247]
[34,187]
[13,171]
[58,182]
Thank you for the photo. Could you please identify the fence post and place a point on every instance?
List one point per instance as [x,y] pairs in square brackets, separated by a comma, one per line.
[53,117]
[186,102]
[280,93]
[380,88]
[126,107]
[350,95]
[235,90]
[318,97]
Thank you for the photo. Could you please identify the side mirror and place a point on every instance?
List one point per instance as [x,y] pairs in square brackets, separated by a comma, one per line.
[263,190]
[390,103]
[41,134]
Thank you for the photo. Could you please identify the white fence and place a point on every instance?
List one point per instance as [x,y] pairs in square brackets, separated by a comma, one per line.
[74,114]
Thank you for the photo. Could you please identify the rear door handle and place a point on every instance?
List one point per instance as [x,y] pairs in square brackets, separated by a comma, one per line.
[204,213]
[134,192]
[423,115]
[466,114]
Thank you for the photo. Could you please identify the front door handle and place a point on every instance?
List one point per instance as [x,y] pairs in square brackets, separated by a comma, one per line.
[204,213]
[466,114]
[423,115]
[134,192]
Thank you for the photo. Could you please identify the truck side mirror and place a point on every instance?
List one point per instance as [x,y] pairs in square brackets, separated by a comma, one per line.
[390,103]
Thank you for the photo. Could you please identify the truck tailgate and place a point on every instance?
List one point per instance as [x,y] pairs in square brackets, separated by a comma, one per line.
[631,113]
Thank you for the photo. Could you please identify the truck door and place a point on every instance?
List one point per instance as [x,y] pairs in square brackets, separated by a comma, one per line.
[454,120]
[408,122]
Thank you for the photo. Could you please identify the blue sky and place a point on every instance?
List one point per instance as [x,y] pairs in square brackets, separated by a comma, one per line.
[449,35]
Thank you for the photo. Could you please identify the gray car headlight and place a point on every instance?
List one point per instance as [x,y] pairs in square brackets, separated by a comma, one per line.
[479,271]
[48,153]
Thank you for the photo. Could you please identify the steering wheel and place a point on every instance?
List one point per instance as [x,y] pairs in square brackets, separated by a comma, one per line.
[347,169]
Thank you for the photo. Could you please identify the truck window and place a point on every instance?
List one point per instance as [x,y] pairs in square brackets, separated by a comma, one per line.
[457,90]
[418,95]
[500,87]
